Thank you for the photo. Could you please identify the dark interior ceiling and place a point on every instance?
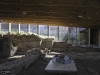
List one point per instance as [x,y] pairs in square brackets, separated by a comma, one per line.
[77,13]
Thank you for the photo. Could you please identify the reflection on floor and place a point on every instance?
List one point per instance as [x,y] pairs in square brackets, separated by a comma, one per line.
[8,59]
[51,54]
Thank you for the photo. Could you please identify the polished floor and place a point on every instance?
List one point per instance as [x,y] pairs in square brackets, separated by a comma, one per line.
[84,67]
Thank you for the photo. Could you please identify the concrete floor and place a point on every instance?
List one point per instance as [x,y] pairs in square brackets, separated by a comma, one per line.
[84,67]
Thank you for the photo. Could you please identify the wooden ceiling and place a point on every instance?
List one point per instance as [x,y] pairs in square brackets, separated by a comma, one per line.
[71,13]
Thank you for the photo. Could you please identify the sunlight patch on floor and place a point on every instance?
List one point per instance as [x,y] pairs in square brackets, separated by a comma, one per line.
[55,53]
[17,56]
[49,56]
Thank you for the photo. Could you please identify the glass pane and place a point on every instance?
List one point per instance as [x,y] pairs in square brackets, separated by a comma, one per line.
[82,36]
[4,27]
[23,28]
[43,30]
[14,27]
[54,32]
[63,33]
[33,28]
[73,35]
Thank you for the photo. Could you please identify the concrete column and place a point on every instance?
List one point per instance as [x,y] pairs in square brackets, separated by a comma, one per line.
[79,37]
[99,38]
[68,35]
[58,34]
[9,27]
[28,28]
[89,37]
[48,31]
[84,43]
[19,28]
[0,28]
[76,36]
[38,29]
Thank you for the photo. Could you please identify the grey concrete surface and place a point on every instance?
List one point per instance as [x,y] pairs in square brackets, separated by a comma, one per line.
[84,67]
